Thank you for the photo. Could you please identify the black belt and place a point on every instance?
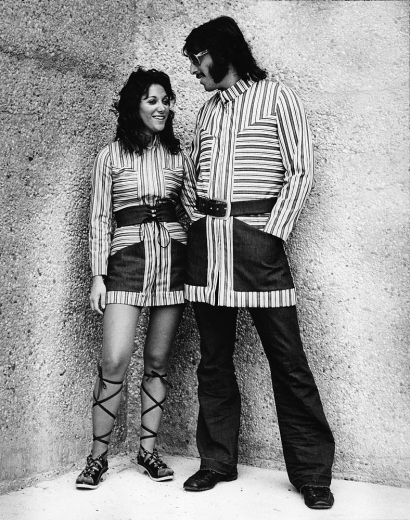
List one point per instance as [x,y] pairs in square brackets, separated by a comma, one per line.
[161,212]
[225,209]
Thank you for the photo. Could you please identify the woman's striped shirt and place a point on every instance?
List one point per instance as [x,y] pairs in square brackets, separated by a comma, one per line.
[252,141]
[120,180]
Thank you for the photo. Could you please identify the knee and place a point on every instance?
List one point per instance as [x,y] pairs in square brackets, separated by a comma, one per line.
[113,367]
[155,362]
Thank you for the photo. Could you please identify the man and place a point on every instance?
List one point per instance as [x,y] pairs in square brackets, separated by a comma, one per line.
[253,161]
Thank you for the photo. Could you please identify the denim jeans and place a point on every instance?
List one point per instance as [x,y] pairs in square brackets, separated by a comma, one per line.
[307,441]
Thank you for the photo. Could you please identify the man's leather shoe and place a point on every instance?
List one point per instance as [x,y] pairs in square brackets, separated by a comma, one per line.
[318,497]
[205,479]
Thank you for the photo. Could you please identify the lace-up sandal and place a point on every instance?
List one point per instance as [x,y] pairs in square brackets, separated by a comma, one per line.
[93,473]
[91,476]
[148,462]
[153,465]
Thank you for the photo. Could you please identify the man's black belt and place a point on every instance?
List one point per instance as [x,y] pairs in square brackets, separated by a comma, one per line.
[225,209]
[161,212]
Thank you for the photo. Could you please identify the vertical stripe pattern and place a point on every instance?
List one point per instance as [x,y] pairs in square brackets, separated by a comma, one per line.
[252,141]
[120,180]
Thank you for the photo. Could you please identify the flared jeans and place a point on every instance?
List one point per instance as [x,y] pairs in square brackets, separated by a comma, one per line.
[307,441]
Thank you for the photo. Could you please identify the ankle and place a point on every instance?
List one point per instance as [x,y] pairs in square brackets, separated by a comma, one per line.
[95,454]
[144,452]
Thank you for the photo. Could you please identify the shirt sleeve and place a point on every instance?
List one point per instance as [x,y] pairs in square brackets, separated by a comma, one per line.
[188,192]
[296,147]
[100,213]
[191,167]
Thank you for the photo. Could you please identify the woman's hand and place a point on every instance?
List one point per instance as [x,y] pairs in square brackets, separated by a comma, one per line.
[97,295]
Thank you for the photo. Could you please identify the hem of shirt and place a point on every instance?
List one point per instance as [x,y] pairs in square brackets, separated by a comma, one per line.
[144,300]
[266,299]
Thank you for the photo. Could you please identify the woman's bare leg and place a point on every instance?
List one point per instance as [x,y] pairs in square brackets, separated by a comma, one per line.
[163,325]
[119,326]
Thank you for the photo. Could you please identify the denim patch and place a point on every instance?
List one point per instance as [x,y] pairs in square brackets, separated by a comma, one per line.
[126,269]
[259,260]
[178,265]
[197,254]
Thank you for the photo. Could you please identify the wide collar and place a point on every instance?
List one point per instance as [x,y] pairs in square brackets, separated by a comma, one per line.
[236,90]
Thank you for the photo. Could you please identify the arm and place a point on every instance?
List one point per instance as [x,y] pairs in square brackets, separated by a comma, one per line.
[297,155]
[188,192]
[100,226]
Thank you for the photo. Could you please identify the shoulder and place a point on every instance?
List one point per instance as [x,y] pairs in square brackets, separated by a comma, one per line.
[288,95]
[264,93]
[104,155]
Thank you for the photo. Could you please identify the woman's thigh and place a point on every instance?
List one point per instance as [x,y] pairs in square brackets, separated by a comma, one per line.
[163,325]
[119,326]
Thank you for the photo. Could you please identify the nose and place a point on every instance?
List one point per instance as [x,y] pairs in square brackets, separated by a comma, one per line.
[193,68]
[161,107]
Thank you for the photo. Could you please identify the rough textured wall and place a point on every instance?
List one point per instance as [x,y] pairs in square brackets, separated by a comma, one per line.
[62,63]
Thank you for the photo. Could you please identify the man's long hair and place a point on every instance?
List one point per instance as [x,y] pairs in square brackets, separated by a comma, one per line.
[226,45]
[129,125]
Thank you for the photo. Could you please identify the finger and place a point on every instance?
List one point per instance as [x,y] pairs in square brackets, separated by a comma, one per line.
[102,301]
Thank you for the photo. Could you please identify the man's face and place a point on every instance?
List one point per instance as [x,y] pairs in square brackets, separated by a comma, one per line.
[208,75]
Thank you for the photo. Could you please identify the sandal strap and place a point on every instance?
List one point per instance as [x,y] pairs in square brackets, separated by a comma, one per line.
[100,438]
[153,458]
[93,465]
[161,376]
[98,401]
[157,404]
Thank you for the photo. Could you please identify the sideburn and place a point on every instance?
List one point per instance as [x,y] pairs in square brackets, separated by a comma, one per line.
[218,70]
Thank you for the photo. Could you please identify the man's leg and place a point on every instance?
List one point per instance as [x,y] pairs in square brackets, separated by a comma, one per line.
[218,392]
[219,398]
[308,444]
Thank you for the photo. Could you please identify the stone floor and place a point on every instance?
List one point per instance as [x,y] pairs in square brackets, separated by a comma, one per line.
[257,494]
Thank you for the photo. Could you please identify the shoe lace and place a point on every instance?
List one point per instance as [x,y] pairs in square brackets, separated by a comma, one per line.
[158,461]
[93,466]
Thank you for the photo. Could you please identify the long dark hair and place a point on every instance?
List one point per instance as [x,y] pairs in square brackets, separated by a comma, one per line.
[226,45]
[129,125]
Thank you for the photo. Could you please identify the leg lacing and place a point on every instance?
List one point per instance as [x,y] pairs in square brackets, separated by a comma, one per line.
[150,462]
[151,433]
[97,402]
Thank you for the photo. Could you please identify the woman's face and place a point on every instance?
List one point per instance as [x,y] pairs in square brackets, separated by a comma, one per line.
[154,110]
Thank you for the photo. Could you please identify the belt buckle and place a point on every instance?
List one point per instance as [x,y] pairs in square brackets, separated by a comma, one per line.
[227,203]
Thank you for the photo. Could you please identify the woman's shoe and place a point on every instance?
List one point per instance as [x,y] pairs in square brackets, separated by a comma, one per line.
[152,464]
[93,473]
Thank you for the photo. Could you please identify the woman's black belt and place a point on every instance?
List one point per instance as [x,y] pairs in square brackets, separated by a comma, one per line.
[225,209]
[161,212]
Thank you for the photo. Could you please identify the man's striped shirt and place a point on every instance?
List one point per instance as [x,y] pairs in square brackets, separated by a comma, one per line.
[252,141]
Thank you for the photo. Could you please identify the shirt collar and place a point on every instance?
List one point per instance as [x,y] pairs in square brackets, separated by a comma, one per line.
[236,90]
[155,142]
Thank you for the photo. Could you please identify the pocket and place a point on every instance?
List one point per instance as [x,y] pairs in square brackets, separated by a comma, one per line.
[260,263]
[178,265]
[197,254]
[126,269]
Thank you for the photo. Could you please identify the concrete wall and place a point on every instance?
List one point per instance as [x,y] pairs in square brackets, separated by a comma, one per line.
[62,63]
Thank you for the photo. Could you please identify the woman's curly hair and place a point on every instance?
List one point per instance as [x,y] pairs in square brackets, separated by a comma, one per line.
[129,125]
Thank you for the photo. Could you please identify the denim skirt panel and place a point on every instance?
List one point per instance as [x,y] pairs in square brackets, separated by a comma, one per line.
[147,274]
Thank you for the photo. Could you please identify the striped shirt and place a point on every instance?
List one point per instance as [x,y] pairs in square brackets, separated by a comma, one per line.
[252,141]
[120,180]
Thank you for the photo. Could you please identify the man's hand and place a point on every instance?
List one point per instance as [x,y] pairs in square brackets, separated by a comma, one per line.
[97,295]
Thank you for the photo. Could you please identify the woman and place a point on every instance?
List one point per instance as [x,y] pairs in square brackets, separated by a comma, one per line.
[138,179]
